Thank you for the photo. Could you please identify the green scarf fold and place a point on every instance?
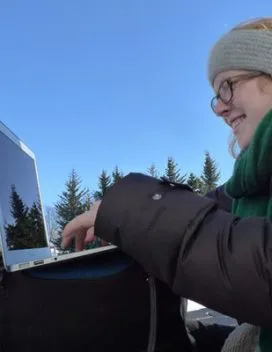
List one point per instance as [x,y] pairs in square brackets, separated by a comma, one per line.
[250,187]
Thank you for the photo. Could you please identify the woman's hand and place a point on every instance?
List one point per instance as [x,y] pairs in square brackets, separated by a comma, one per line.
[81,228]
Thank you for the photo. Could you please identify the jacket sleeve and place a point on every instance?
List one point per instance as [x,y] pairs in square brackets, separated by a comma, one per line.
[202,252]
[223,201]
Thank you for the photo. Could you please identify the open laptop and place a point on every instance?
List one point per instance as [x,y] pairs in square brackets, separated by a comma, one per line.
[23,233]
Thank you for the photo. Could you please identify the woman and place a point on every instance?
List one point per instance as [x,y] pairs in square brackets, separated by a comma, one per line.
[219,259]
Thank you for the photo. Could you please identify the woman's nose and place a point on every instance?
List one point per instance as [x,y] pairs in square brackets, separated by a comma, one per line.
[221,109]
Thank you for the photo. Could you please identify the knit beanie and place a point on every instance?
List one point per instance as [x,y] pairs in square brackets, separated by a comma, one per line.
[242,49]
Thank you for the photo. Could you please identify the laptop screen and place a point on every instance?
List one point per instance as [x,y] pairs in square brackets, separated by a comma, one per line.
[22,224]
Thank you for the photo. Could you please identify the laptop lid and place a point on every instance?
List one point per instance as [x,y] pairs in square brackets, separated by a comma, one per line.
[22,225]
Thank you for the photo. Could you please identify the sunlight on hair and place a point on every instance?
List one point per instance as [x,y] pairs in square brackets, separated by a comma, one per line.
[263,23]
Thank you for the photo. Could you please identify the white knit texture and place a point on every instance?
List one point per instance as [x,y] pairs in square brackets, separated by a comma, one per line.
[245,338]
[245,49]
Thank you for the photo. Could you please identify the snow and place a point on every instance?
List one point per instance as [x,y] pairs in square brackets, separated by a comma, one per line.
[192,306]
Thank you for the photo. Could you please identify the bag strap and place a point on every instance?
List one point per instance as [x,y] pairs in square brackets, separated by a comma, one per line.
[2,274]
[153,314]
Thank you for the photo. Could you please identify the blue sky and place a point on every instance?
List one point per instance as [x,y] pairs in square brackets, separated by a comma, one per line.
[89,84]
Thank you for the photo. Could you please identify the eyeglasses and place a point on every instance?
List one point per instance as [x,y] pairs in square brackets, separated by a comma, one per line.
[226,88]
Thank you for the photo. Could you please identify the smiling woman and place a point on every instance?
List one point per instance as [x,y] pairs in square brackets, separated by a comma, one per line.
[235,104]
[227,83]
[215,250]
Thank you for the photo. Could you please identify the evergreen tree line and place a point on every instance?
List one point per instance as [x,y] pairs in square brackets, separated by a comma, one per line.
[75,199]
[26,229]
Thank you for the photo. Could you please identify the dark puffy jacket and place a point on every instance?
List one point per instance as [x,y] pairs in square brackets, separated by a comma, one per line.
[223,201]
[193,244]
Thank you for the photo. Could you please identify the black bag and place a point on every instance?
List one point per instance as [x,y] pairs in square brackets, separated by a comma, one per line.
[104,302]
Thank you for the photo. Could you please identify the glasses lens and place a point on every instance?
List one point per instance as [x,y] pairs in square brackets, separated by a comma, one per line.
[214,103]
[225,92]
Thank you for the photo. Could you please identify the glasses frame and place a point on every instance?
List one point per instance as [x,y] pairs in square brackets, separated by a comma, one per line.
[231,82]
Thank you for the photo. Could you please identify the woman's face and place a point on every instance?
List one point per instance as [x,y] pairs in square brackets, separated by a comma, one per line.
[243,99]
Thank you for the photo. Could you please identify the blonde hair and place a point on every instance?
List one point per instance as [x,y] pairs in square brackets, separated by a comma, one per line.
[262,24]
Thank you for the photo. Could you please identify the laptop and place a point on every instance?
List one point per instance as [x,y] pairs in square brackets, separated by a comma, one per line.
[23,233]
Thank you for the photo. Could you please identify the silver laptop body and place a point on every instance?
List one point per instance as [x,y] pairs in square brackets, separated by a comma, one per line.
[23,234]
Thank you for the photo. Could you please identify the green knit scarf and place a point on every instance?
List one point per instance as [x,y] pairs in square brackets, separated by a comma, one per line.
[250,187]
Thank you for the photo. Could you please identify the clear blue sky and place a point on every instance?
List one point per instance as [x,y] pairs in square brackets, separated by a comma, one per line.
[89,84]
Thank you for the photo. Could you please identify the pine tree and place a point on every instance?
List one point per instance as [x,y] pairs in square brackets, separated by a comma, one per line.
[172,172]
[152,171]
[18,208]
[210,175]
[104,183]
[51,223]
[87,202]
[72,202]
[27,228]
[195,183]
[36,226]
[116,175]
[16,230]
